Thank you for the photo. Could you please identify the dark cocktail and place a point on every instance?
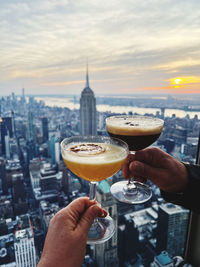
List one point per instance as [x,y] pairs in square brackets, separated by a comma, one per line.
[138,132]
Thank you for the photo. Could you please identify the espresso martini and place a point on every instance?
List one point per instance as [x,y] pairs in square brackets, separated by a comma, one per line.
[138,132]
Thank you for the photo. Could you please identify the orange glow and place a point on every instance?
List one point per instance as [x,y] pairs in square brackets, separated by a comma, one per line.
[188,88]
[185,80]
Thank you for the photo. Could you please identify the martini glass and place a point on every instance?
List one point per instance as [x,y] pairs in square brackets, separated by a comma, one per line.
[95,158]
[138,132]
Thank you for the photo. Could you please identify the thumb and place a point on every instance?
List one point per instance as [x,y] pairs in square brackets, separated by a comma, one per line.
[89,215]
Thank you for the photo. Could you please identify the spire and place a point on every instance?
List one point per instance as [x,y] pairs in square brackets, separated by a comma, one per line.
[87,78]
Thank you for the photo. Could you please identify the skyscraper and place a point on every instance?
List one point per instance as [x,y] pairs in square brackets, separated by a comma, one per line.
[19,194]
[6,130]
[54,149]
[25,253]
[3,176]
[88,114]
[172,229]
[30,127]
[45,130]
[106,253]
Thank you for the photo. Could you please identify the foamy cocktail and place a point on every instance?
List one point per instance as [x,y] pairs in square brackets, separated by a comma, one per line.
[94,161]
[95,158]
[138,132]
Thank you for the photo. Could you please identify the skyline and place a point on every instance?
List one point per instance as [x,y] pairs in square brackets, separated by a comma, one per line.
[132,47]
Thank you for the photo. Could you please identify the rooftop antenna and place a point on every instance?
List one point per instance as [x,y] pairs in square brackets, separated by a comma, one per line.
[87,77]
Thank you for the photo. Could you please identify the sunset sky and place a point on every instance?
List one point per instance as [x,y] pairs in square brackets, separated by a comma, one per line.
[131,46]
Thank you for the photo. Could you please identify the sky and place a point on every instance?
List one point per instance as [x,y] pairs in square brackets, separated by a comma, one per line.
[131,46]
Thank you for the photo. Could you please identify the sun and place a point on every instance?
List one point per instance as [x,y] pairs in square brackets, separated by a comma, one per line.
[177,81]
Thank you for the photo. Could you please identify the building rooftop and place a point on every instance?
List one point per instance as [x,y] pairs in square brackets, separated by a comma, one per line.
[44,195]
[142,217]
[172,208]
[164,258]
[20,234]
[13,165]
[47,169]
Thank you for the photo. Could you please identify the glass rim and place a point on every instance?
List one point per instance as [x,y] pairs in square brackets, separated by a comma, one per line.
[88,138]
[134,116]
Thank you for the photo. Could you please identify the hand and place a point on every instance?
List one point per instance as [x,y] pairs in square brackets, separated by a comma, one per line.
[163,170]
[65,243]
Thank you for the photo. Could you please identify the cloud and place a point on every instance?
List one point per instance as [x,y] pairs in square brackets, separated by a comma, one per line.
[58,84]
[140,44]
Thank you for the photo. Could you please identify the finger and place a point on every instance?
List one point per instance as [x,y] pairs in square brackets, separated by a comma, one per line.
[125,167]
[81,204]
[90,214]
[77,207]
[144,171]
[150,155]
[125,170]
[130,157]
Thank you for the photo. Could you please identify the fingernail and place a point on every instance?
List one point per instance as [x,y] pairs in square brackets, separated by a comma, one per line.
[93,201]
[104,213]
[98,204]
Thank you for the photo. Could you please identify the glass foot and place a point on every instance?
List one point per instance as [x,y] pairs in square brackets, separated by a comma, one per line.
[101,230]
[134,193]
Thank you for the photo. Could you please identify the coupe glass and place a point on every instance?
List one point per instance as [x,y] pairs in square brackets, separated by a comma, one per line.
[138,132]
[95,158]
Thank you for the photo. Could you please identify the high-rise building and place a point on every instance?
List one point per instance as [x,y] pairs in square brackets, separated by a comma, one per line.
[13,122]
[171,229]
[106,253]
[34,172]
[54,149]
[24,246]
[45,129]
[7,146]
[88,114]
[19,194]
[6,208]
[3,177]
[7,123]
[18,191]
[6,130]
[30,126]
[48,179]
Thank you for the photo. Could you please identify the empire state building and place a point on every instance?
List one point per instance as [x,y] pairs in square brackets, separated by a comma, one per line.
[88,114]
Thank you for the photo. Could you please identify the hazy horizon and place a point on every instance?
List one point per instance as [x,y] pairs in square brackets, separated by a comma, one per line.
[106,95]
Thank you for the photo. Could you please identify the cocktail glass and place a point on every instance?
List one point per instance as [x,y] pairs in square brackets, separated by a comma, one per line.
[95,158]
[138,132]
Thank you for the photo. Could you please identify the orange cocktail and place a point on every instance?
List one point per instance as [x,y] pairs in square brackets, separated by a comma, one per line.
[94,161]
[95,158]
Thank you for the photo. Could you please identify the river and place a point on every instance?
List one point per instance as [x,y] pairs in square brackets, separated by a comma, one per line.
[69,103]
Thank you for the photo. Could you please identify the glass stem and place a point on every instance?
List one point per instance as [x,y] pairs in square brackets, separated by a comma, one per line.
[129,180]
[92,196]
[93,188]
